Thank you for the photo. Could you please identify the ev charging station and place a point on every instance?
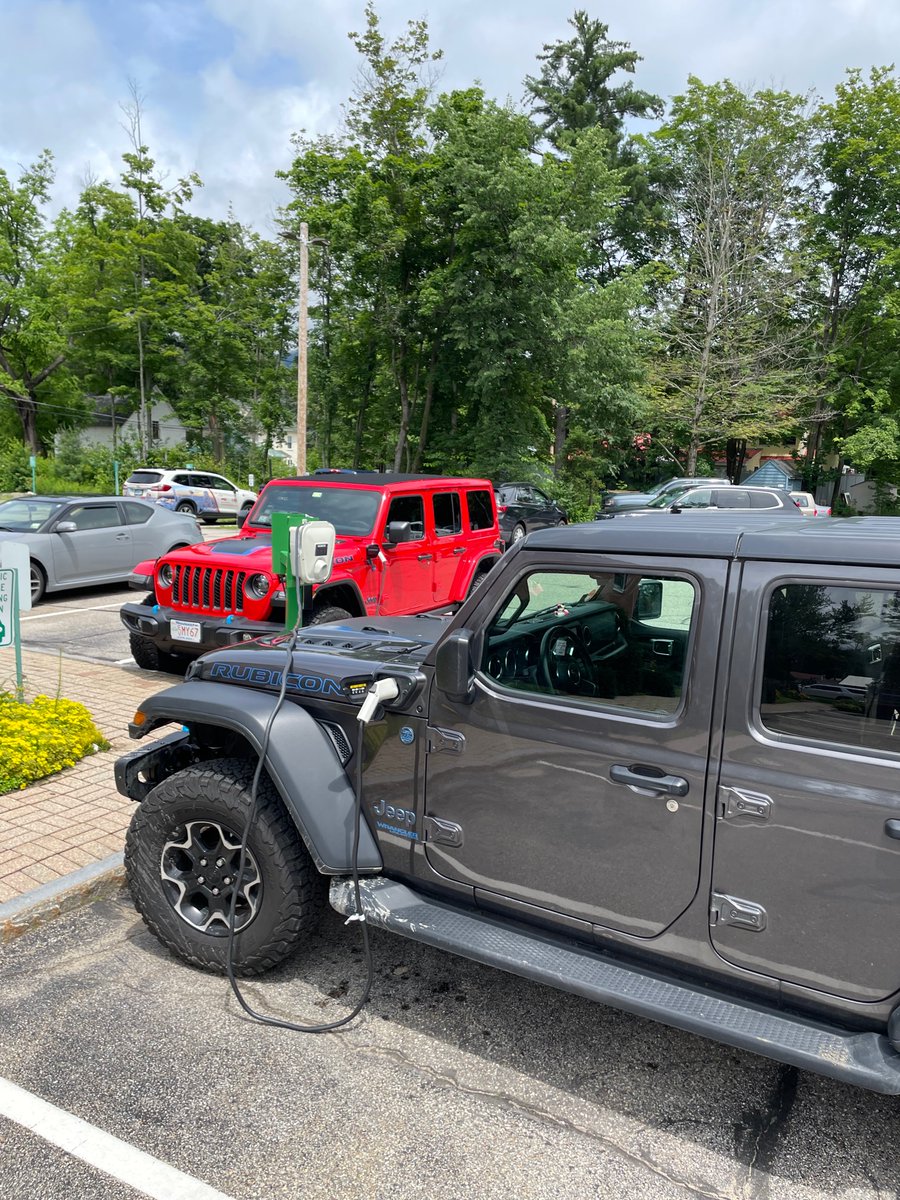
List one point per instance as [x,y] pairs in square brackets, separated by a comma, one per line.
[303,553]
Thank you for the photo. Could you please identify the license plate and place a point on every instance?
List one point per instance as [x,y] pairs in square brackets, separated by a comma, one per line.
[185,631]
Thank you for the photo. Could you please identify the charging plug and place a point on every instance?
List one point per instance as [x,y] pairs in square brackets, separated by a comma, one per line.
[380,690]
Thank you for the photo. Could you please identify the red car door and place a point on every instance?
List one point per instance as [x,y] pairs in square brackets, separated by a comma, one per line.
[408,567]
[449,545]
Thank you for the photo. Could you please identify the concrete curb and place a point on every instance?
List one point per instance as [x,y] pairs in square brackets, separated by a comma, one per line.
[93,882]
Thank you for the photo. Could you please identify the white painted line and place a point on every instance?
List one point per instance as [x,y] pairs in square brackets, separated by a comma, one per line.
[146,1174]
[67,612]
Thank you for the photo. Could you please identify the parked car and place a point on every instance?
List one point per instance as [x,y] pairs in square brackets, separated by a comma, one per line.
[626,501]
[834,691]
[522,507]
[405,544]
[806,502]
[773,501]
[201,493]
[587,777]
[76,540]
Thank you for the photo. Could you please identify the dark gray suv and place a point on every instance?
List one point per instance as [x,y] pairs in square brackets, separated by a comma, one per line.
[650,761]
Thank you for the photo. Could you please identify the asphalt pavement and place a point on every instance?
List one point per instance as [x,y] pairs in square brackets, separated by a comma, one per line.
[459,1081]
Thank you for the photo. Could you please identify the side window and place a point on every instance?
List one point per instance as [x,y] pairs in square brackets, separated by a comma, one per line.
[409,508]
[221,484]
[480,510]
[447,514]
[184,480]
[93,516]
[763,500]
[201,481]
[701,498]
[136,514]
[612,639]
[832,665]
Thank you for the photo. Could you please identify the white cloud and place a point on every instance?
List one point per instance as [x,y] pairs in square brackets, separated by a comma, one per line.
[226,82]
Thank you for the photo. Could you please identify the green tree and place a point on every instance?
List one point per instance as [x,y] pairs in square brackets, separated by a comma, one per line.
[735,355]
[854,238]
[33,348]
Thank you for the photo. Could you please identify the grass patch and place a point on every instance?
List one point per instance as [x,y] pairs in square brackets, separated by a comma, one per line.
[42,736]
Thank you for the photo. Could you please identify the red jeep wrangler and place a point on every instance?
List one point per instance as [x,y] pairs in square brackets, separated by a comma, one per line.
[405,544]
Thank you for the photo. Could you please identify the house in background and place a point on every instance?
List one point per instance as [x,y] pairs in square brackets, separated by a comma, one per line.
[775,473]
[167,428]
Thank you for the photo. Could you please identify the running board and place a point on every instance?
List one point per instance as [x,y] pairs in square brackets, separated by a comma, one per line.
[865,1059]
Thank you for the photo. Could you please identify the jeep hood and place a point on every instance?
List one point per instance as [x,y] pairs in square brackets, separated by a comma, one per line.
[254,549]
[330,661]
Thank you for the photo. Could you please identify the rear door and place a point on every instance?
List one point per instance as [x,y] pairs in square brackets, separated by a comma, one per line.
[580,786]
[807,840]
[449,544]
[100,548]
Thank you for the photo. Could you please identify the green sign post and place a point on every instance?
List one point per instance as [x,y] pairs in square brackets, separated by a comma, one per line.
[32,462]
[282,524]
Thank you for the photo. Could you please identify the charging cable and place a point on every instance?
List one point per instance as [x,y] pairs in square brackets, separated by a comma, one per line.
[379,691]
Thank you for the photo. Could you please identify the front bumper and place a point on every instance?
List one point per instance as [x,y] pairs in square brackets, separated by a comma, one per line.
[154,623]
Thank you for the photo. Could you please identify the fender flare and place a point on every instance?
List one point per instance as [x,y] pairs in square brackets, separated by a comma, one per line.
[301,762]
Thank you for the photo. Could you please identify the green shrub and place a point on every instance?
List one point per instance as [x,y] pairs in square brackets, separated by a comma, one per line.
[42,737]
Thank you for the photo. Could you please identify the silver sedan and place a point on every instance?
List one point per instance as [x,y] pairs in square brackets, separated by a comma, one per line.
[74,541]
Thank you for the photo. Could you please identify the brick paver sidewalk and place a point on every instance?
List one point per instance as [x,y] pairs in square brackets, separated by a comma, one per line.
[76,817]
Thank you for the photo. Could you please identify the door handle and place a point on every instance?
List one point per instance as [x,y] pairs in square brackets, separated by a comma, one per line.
[121,537]
[892,829]
[425,557]
[460,550]
[651,779]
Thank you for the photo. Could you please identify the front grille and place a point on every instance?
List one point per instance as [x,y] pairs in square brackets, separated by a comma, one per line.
[210,589]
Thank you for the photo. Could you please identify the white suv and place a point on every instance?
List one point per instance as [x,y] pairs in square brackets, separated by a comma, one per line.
[210,497]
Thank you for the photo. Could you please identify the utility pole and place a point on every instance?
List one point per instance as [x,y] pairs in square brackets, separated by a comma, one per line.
[301,349]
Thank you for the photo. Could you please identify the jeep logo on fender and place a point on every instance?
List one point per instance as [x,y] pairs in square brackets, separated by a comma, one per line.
[319,685]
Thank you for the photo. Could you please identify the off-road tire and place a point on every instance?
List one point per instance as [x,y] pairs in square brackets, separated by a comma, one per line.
[149,657]
[185,506]
[478,579]
[292,894]
[38,583]
[328,614]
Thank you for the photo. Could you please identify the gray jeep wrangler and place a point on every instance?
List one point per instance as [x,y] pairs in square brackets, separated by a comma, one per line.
[651,761]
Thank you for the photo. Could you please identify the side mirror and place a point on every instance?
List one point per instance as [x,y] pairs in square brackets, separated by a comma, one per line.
[676,508]
[372,552]
[242,517]
[398,531]
[453,668]
[66,527]
[649,599]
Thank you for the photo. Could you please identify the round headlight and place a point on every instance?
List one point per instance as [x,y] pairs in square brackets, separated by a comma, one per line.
[258,585]
[164,575]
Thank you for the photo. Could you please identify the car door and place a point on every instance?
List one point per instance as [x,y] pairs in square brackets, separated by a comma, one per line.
[144,524]
[545,513]
[225,494]
[578,783]
[99,548]
[406,581]
[806,838]
[449,544]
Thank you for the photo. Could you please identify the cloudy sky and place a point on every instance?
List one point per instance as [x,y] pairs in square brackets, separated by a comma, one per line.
[226,82]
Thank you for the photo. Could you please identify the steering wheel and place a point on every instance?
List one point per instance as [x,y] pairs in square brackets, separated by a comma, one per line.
[565,665]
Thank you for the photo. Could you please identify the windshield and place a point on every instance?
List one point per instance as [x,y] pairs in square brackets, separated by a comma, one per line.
[351,511]
[144,477]
[27,516]
[667,498]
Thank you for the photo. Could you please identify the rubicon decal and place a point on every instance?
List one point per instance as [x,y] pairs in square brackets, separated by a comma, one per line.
[319,685]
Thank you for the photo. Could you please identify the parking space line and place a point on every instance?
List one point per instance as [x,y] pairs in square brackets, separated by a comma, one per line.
[124,1162]
[67,612]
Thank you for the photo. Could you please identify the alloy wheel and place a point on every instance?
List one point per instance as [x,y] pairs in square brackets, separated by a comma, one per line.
[199,869]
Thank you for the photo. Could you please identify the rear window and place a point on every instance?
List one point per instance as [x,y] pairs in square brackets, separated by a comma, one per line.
[481,511]
[137,513]
[350,510]
[144,477]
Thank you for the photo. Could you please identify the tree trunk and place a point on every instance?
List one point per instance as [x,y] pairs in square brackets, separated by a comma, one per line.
[559,440]
[426,410]
[403,386]
[27,410]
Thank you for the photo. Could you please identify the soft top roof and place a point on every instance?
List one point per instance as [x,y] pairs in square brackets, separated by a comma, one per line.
[380,479]
[726,534]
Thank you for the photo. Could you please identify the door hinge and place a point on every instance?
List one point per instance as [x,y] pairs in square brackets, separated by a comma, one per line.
[445,739]
[446,832]
[735,802]
[731,910]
